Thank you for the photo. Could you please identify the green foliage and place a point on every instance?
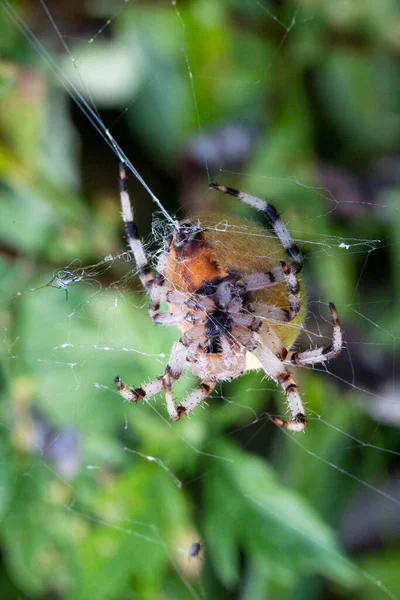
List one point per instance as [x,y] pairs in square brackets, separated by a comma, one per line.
[248,509]
[113,516]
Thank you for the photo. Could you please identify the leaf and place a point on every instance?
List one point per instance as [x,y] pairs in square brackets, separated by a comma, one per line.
[37,532]
[136,524]
[248,509]
[380,575]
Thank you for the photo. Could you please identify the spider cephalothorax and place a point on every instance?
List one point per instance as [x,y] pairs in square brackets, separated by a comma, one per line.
[235,298]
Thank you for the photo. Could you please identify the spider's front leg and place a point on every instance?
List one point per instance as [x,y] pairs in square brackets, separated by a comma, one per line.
[162,291]
[186,306]
[132,235]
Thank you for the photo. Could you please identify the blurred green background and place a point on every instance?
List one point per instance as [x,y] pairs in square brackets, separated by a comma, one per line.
[293,101]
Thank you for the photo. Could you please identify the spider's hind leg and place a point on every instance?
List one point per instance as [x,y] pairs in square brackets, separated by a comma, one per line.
[146,391]
[195,397]
[173,371]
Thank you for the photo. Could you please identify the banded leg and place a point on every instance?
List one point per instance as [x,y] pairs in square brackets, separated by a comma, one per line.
[189,308]
[259,281]
[195,397]
[271,313]
[273,217]
[172,318]
[171,374]
[173,371]
[321,354]
[145,274]
[162,292]
[146,391]
[182,313]
[294,291]
[269,338]
[275,369]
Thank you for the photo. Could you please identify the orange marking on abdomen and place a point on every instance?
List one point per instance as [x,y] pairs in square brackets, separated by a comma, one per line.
[190,273]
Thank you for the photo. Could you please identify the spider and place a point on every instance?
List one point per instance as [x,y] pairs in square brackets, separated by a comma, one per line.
[236,301]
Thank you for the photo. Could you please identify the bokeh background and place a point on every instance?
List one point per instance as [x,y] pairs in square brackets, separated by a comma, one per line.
[297,102]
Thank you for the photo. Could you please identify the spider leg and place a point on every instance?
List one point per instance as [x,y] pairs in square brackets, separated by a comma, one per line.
[323,353]
[276,370]
[180,313]
[188,308]
[161,291]
[146,391]
[294,291]
[145,274]
[172,373]
[273,217]
[227,292]
[259,281]
[269,338]
[263,280]
[174,369]
[176,364]
[195,397]
[172,318]
[271,313]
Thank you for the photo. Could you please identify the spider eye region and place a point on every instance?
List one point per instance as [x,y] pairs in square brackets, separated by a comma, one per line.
[187,241]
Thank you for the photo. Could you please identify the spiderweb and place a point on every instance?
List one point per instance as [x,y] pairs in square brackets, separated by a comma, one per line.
[111,497]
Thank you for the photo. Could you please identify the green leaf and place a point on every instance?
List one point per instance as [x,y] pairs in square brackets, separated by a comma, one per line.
[380,575]
[37,532]
[248,509]
[135,527]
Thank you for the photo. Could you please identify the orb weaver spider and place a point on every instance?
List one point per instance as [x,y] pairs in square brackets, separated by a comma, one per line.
[235,299]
